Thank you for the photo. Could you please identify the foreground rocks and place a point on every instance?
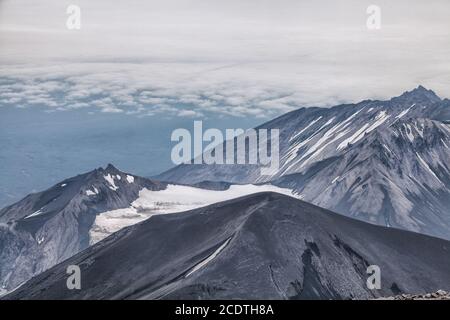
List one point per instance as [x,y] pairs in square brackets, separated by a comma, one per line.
[438,295]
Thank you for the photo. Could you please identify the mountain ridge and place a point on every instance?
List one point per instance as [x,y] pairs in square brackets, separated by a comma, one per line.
[380,162]
[409,133]
[262,246]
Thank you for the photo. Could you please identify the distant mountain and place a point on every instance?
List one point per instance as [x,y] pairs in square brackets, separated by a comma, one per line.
[385,162]
[48,227]
[262,246]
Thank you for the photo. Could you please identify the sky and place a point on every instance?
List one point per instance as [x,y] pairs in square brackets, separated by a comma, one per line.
[214,59]
[114,90]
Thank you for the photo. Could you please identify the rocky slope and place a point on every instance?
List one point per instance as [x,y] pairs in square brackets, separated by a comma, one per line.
[48,227]
[263,246]
[385,162]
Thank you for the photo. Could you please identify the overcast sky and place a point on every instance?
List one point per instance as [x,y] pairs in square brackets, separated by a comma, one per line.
[194,58]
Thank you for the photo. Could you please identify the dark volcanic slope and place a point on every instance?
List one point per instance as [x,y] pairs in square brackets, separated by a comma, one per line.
[272,247]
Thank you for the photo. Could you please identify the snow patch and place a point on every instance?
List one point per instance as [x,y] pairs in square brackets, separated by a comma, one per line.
[92,193]
[130,179]
[111,181]
[173,199]
[40,240]
[409,133]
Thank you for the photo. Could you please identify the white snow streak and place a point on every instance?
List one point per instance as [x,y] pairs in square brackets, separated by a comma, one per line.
[34,214]
[207,260]
[305,128]
[292,153]
[320,145]
[426,166]
[404,112]
[353,138]
[419,129]
[387,148]
[358,135]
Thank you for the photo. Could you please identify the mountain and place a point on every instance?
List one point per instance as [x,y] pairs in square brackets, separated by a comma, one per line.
[48,227]
[384,162]
[262,246]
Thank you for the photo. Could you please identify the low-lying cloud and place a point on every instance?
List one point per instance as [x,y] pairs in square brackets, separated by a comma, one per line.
[194,58]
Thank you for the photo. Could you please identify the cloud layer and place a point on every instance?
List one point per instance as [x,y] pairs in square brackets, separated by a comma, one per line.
[194,58]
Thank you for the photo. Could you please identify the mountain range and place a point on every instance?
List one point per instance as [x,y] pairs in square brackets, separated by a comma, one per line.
[381,162]
[384,162]
[48,227]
